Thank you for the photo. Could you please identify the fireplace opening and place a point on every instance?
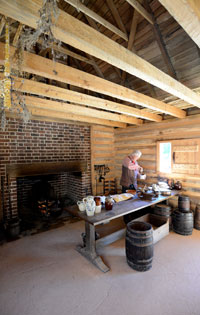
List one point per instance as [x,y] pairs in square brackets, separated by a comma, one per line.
[42,202]
[45,201]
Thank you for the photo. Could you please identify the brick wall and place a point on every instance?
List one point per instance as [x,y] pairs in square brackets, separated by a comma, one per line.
[40,141]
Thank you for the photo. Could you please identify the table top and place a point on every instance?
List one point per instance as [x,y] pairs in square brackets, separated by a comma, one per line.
[119,209]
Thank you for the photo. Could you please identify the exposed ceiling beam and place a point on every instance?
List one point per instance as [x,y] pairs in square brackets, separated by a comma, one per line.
[187,14]
[116,15]
[43,107]
[56,71]
[137,6]
[42,89]
[81,7]
[76,33]
[79,118]
[79,110]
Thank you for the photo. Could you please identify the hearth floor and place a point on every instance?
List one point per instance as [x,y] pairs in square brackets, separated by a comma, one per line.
[43,274]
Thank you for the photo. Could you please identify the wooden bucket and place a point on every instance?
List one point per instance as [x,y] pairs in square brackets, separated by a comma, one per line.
[184,203]
[197,218]
[182,222]
[139,245]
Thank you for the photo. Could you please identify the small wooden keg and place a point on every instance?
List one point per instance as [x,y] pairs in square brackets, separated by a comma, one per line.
[184,203]
[182,222]
[139,245]
[165,211]
[197,217]
[162,209]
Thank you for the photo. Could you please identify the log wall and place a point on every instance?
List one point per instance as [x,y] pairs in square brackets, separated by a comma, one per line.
[145,139]
[102,152]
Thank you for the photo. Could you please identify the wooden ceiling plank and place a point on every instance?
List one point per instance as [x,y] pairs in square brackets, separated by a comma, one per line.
[187,14]
[78,5]
[56,71]
[137,6]
[42,89]
[116,16]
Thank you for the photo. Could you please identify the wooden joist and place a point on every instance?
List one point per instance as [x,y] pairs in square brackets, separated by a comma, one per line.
[52,70]
[81,7]
[62,116]
[42,89]
[187,14]
[61,107]
[77,34]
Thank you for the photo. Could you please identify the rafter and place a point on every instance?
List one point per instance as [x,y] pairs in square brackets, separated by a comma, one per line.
[116,16]
[187,14]
[131,36]
[137,6]
[161,43]
[76,33]
[78,5]
[59,72]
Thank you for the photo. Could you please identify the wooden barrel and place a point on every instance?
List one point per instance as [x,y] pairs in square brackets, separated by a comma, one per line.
[162,209]
[182,222]
[184,203]
[165,211]
[197,217]
[139,245]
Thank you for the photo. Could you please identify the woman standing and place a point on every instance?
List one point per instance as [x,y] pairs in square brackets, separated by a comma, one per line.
[130,171]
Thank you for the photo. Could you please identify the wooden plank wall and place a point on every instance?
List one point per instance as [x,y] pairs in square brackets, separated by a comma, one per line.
[145,137]
[102,152]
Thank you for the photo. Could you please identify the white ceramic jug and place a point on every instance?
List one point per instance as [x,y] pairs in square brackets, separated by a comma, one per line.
[81,205]
[89,205]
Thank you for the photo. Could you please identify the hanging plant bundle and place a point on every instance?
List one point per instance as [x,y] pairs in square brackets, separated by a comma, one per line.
[48,17]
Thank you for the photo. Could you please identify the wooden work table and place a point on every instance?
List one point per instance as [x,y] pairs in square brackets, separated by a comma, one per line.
[119,209]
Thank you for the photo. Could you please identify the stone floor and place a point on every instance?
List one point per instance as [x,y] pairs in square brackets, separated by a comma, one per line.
[42,274]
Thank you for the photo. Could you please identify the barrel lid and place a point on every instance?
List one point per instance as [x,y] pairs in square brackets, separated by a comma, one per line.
[139,226]
[183,197]
[162,206]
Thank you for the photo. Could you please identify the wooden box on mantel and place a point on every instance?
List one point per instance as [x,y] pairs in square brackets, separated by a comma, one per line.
[160,225]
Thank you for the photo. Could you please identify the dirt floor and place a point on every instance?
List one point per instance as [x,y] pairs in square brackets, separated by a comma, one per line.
[43,274]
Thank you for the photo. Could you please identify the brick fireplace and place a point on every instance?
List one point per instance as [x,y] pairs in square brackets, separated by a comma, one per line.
[43,142]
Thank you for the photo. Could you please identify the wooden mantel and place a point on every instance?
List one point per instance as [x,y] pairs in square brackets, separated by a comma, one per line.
[45,168]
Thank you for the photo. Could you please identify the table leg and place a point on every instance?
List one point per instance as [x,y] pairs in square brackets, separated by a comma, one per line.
[89,251]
